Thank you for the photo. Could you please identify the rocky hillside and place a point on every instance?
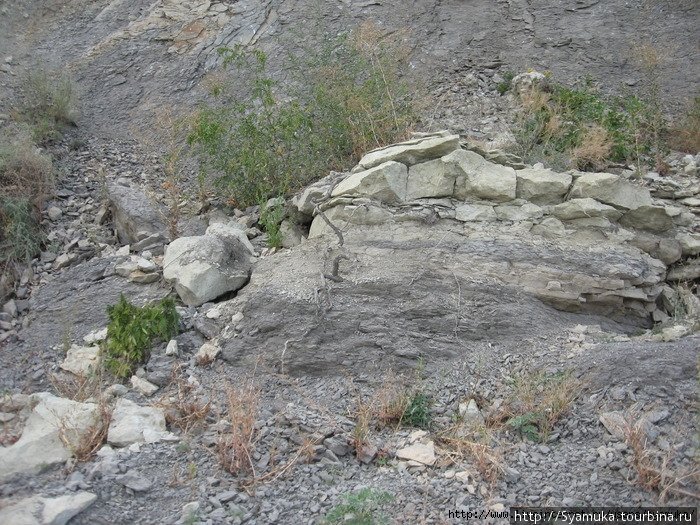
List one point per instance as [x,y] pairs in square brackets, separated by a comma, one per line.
[443,329]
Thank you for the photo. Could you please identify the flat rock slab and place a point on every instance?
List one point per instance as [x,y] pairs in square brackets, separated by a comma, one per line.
[132,423]
[420,452]
[38,510]
[412,151]
[53,424]
[81,360]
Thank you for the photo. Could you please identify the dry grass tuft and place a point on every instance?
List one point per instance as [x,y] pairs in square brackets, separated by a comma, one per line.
[594,149]
[478,446]
[186,410]
[94,437]
[391,400]
[654,472]
[537,402]
[235,447]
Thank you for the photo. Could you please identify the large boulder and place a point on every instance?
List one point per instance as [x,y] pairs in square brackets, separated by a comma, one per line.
[480,179]
[136,217]
[412,151]
[385,183]
[429,180]
[132,423]
[611,189]
[690,243]
[206,267]
[651,218]
[542,186]
[52,430]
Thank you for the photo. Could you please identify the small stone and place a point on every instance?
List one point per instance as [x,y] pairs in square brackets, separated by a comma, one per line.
[172,348]
[140,277]
[123,251]
[54,213]
[95,336]
[142,386]
[419,452]
[135,481]
[207,353]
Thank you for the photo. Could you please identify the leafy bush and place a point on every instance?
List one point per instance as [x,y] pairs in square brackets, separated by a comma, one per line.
[586,127]
[270,219]
[417,412]
[20,234]
[131,331]
[49,103]
[352,98]
[360,508]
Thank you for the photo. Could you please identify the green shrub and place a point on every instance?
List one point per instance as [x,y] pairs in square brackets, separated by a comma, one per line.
[270,219]
[351,98]
[131,331]
[504,86]
[20,234]
[417,412]
[49,103]
[581,123]
[360,508]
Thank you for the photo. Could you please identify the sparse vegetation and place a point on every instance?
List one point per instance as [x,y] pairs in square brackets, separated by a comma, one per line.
[236,445]
[186,409]
[537,402]
[360,508]
[49,104]
[270,219]
[581,127]
[504,86]
[684,135]
[417,412]
[352,99]
[131,331]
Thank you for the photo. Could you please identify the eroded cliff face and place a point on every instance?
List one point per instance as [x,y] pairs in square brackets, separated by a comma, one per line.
[131,57]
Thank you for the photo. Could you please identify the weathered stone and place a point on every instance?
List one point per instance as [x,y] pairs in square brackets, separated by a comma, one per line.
[651,218]
[584,208]
[81,360]
[542,186]
[172,348]
[292,234]
[139,277]
[135,481]
[132,423]
[52,429]
[207,353]
[95,336]
[412,151]
[475,212]
[125,268]
[385,183]
[666,250]
[419,452]
[615,423]
[134,212]
[306,201]
[142,386]
[690,243]
[430,179]
[518,213]
[611,189]
[549,228]
[341,216]
[472,418]
[54,213]
[689,271]
[203,268]
[231,234]
[478,178]
[39,510]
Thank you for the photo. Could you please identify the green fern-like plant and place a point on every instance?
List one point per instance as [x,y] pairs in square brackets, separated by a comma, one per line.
[417,413]
[131,331]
